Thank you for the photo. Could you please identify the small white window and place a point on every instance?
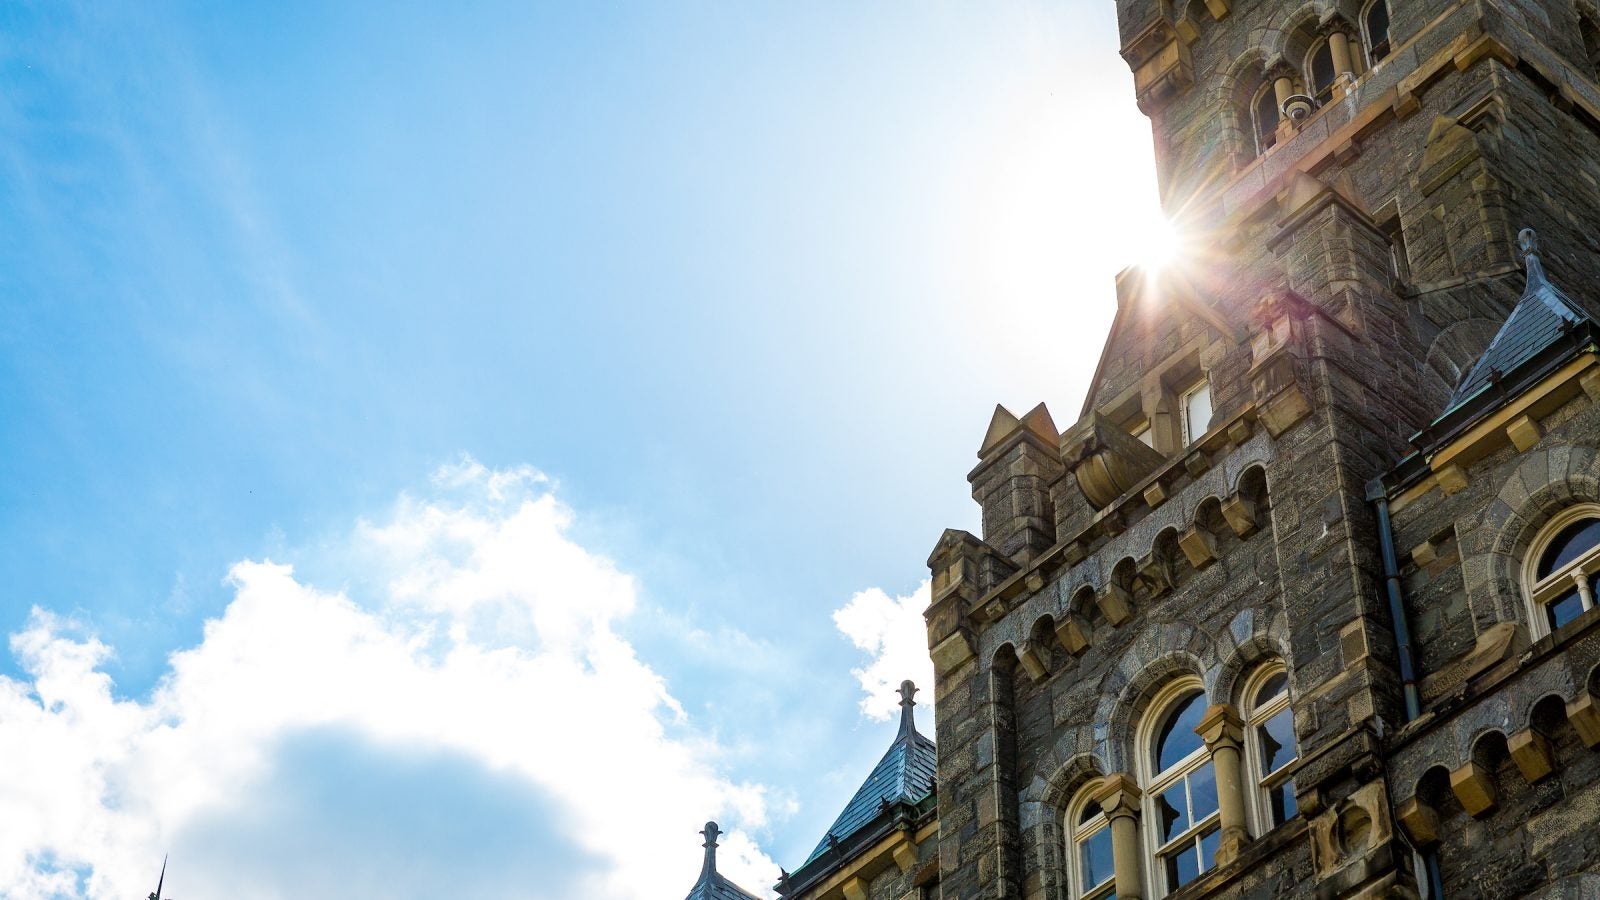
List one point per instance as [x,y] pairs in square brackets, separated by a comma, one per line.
[1144,434]
[1196,411]
[1270,748]
[1089,857]
[1560,571]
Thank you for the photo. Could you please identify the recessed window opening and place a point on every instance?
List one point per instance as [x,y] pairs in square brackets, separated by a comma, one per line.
[1375,22]
[1264,118]
[1196,411]
[1319,69]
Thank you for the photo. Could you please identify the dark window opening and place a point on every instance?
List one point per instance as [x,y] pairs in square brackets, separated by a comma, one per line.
[1378,31]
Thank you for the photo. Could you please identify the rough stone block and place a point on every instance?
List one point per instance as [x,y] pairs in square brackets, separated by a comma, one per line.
[1199,546]
[1032,659]
[1240,514]
[1474,788]
[1531,752]
[1524,432]
[1584,714]
[1452,480]
[1115,605]
[1073,633]
[1420,821]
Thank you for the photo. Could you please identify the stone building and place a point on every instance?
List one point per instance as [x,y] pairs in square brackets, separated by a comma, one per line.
[1302,604]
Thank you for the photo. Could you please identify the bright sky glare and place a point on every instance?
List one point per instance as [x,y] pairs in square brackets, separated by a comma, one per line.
[436,428]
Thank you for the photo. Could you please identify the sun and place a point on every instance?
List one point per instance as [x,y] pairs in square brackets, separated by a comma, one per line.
[1159,245]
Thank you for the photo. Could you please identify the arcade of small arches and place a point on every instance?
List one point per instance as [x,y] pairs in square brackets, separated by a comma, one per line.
[1318,64]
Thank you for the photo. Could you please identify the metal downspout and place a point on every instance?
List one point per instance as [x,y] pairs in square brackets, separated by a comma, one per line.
[1379,495]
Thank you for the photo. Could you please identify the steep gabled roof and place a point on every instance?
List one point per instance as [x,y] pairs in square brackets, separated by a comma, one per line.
[712,886]
[904,778]
[1540,318]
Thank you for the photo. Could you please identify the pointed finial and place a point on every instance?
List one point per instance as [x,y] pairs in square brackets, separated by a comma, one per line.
[711,832]
[1528,240]
[908,722]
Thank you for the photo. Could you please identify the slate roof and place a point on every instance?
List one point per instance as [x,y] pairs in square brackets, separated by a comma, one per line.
[1539,319]
[713,886]
[905,774]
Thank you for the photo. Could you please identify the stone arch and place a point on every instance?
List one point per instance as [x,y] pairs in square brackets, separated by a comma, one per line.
[1252,485]
[1161,653]
[1452,354]
[1546,482]
[1290,41]
[1433,788]
[1236,666]
[1045,803]
[1548,715]
[1235,91]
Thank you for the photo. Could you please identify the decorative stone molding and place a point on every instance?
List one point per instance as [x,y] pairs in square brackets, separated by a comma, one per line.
[1474,787]
[1420,821]
[1106,461]
[1276,351]
[1530,750]
[1159,58]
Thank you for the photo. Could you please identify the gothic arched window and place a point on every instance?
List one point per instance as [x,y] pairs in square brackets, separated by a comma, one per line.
[1270,748]
[1264,118]
[1375,22]
[1089,862]
[1560,571]
[1181,819]
[1319,72]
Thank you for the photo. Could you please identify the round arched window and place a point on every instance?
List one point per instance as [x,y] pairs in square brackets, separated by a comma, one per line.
[1561,569]
[1270,749]
[1089,858]
[1375,22]
[1319,72]
[1264,118]
[1181,817]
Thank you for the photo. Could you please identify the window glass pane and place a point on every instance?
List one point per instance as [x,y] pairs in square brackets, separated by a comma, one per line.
[1274,686]
[1322,71]
[1183,866]
[1197,411]
[1565,610]
[1208,848]
[1172,812]
[1095,859]
[1266,116]
[1202,792]
[1573,541]
[1276,741]
[1281,799]
[1090,810]
[1177,738]
[1378,29]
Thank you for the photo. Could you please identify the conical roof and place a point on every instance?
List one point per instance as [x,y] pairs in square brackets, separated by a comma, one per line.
[1539,319]
[713,886]
[904,775]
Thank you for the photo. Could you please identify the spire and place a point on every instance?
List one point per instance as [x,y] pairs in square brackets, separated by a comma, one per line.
[908,719]
[1540,318]
[709,869]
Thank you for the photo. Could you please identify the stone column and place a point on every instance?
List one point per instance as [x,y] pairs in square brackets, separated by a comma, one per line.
[1223,732]
[1343,69]
[1119,796]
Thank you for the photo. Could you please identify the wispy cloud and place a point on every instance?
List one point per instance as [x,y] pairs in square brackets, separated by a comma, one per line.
[487,669]
[891,631]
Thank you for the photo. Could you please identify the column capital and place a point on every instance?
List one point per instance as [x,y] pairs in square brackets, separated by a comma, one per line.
[1221,727]
[1119,795]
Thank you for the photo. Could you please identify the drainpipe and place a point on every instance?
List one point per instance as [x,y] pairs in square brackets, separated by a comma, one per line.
[1378,494]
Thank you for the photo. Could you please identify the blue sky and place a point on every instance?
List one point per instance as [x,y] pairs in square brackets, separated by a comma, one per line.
[725,292]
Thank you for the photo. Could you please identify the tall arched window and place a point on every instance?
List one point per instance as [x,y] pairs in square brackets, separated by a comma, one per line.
[1270,749]
[1319,72]
[1560,569]
[1264,118]
[1591,44]
[1375,22]
[1180,789]
[1089,862]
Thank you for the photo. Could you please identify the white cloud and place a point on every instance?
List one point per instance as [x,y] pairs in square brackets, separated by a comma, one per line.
[892,631]
[493,642]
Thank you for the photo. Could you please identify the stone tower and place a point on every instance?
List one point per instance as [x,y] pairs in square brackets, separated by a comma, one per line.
[1302,604]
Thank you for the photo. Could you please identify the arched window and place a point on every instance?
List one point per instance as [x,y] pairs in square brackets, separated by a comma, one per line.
[1089,862]
[1180,789]
[1591,43]
[1319,72]
[1270,749]
[1375,22]
[1264,118]
[1560,569]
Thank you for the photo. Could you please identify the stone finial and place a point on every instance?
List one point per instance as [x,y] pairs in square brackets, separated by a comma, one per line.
[711,832]
[1528,240]
[908,722]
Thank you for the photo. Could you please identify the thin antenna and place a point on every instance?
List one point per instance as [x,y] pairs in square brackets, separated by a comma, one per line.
[162,880]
